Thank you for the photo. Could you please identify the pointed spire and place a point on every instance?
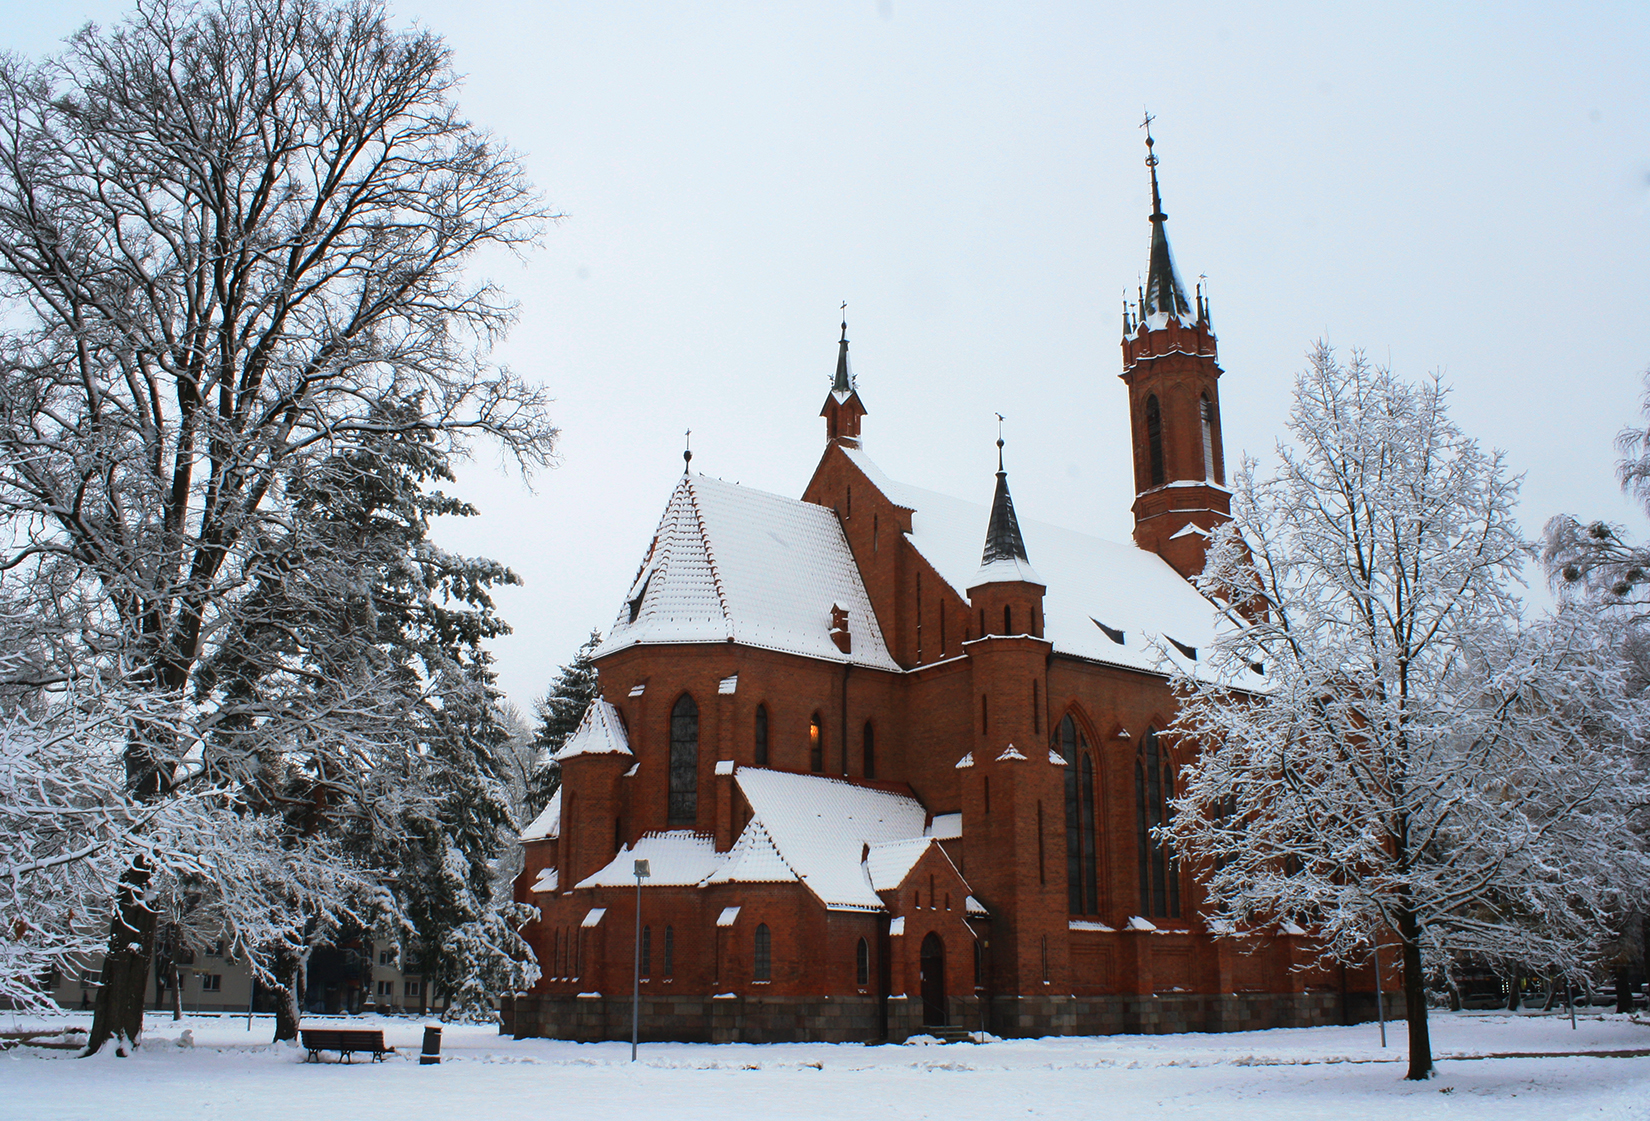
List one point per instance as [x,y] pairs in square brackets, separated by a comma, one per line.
[844,381]
[1163,292]
[1002,536]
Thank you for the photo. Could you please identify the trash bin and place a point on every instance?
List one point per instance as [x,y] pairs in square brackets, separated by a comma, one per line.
[432,1046]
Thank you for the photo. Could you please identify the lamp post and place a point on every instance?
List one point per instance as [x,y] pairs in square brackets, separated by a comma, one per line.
[636,974]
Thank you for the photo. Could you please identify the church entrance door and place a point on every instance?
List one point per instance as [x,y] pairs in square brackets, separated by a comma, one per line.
[932,972]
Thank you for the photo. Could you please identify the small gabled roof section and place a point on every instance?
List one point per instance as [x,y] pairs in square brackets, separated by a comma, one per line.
[677,858]
[733,564]
[546,826]
[601,732]
[818,829]
[889,862]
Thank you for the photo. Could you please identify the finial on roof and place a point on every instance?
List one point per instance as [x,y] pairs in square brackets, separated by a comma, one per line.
[687,452]
[1163,292]
[844,380]
[1002,535]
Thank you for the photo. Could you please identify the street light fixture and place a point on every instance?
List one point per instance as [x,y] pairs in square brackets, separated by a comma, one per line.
[636,975]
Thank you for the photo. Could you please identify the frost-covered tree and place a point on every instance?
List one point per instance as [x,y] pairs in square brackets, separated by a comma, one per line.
[372,636]
[1420,768]
[560,710]
[1597,566]
[233,236]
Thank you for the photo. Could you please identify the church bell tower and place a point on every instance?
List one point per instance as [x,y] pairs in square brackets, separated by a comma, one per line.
[1169,365]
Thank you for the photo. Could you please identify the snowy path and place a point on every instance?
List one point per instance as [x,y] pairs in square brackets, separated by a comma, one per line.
[1338,1073]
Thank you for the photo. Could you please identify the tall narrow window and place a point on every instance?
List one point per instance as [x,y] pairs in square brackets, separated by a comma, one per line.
[816,745]
[870,751]
[1153,786]
[985,716]
[761,735]
[1206,415]
[647,951]
[1154,439]
[1036,706]
[942,630]
[684,761]
[862,963]
[1008,619]
[1045,959]
[762,959]
[670,951]
[1080,872]
[1042,878]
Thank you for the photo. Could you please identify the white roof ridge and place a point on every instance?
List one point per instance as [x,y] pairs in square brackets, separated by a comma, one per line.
[710,552]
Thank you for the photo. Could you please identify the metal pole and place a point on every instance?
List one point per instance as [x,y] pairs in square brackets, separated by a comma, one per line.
[1569,998]
[1380,1007]
[251,1001]
[636,956]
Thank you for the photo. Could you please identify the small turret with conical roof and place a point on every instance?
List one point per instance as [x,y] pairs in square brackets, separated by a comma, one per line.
[1006,589]
[843,409]
[1170,366]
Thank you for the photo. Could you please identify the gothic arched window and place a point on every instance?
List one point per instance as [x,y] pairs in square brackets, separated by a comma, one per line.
[761,735]
[1153,789]
[670,951]
[1206,415]
[762,959]
[684,762]
[816,744]
[1154,439]
[1081,882]
[862,963]
[870,757]
[647,951]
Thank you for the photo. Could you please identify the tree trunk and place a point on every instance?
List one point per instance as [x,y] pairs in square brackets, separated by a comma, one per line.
[1624,989]
[288,974]
[1515,998]
[1415,998]
[119,1011]
[177,992]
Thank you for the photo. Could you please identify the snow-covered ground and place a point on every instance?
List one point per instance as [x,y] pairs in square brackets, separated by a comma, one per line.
[1337,1073]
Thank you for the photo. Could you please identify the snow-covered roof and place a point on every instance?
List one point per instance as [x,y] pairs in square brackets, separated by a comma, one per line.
[601,732]
[818,828]
[546,880]
[732,563]
[946,827]
[548,823]
[889,862]
[1090,581]
[678,858]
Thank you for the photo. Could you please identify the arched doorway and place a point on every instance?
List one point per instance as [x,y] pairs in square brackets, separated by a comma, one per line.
[932,973]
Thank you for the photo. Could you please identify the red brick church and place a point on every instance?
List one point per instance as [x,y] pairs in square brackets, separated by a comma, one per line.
[893,758]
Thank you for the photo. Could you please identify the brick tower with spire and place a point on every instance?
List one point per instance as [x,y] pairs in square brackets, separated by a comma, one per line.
[1170,366]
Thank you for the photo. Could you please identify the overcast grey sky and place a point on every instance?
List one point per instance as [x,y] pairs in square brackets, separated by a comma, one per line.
[1459,188]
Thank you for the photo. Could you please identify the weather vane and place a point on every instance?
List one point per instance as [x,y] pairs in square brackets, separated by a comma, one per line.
[687,451]
[999,441]
[1151,159]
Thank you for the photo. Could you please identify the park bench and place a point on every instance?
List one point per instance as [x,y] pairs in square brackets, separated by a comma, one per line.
[345,1041]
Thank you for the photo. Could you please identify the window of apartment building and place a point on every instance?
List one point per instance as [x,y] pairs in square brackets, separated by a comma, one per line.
[211,982]
[412,988]
[386,957]
[386,988]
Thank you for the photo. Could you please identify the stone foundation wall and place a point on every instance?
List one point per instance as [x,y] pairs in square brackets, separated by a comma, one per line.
[778,1019]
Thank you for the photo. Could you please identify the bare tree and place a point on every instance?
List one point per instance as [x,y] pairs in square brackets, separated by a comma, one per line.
[1419,767]
[232,243]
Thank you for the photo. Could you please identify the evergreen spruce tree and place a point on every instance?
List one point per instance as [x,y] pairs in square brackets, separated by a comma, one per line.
[560,710]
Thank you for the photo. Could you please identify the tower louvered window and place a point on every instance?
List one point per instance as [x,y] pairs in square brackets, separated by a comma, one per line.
[1081,880]
[1153,790]
[1154,439]
[684,762]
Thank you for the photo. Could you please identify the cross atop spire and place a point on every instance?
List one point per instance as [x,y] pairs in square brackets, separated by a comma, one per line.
[843,409]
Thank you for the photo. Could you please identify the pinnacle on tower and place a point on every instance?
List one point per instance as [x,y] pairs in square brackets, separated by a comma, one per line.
[1004,557]
[1163,292]
[843,383]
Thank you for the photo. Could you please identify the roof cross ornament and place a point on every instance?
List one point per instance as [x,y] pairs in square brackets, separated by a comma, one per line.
[999,443]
